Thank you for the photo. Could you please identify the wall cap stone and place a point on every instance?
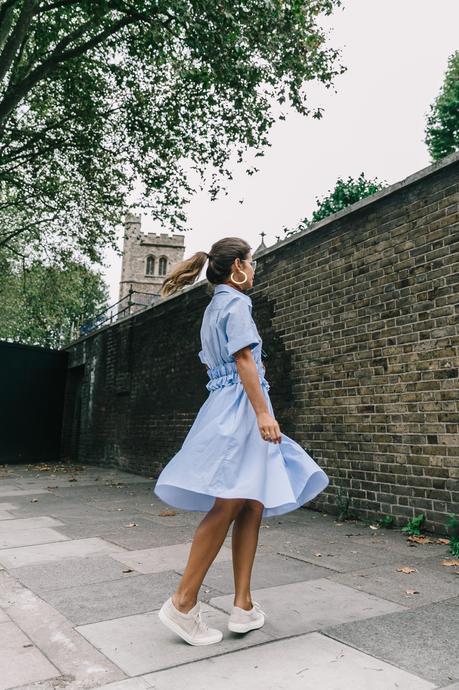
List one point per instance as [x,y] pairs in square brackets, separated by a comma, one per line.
[444,162]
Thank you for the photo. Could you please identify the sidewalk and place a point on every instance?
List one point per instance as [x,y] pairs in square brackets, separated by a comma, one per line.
[87,559]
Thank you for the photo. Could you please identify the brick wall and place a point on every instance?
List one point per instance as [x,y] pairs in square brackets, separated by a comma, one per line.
[359,316]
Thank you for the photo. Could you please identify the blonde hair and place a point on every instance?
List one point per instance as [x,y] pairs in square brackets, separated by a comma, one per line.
[221,257]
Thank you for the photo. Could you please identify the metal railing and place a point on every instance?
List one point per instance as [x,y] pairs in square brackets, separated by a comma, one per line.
[133,304]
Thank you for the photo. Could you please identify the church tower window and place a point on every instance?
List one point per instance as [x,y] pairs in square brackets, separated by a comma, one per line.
[150,269]
[162,266]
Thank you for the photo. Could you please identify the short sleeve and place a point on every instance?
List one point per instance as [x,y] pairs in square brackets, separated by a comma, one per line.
[240,328]
[201,356]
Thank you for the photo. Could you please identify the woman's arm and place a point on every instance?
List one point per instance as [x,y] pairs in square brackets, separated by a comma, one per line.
[248,373]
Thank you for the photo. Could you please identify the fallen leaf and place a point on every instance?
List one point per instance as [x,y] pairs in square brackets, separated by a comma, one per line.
[73,479]
[34,500]
[407,570]
[420,539]
[411,591]
[441,540]
[454,561]
[317,554]
[166,513]
[131,524]
[128,570]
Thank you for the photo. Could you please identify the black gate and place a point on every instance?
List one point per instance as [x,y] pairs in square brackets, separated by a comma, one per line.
[32,382]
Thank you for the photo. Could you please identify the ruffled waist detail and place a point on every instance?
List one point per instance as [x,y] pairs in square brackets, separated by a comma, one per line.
[226,374]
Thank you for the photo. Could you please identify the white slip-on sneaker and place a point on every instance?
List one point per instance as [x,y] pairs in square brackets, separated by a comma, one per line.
[189,626]
[242,621]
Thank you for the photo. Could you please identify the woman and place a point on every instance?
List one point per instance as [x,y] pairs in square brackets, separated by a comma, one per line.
[235,463]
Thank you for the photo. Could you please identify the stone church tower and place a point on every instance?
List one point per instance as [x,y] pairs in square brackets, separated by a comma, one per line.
[147,259]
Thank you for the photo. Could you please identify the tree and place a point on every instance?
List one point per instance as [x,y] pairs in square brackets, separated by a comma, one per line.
[442,129]
[96,95]
[39,305]
[344,194]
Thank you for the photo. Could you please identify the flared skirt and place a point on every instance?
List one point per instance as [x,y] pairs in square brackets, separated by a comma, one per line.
[224,455]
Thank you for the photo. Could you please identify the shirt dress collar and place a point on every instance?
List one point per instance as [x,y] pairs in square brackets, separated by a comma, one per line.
[224,287]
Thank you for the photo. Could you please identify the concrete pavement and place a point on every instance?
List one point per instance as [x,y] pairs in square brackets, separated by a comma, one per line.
[87,559]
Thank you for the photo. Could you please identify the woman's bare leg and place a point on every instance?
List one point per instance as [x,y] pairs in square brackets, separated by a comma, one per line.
[208,539]
[244,543]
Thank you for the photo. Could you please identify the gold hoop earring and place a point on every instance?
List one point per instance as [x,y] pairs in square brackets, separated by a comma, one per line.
[241,282]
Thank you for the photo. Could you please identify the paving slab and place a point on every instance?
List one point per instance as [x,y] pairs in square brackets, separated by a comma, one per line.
[422,640]
[20,660]
[268,571]
[336,555]
[78,478]
[54,636]
[140,503]
[330,532]
[101,524]
[11,490]
[29,506]
[274,541]
[343,556]
[429,581]
[4,515]
[22,524]
[27,538]
[140,644]
[298,663]
[71,572]
[70,510]
[42,553]
[96,492]
[138,683]
[306,606]
[8,506]
[142,538]
[103,601]
[164,558]
[191,521]
[398,542]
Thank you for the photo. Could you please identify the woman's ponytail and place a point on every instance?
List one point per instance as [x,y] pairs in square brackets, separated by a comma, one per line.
[184,273]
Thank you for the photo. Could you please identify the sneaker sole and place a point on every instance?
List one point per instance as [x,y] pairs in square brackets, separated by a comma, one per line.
[244,627]
[175,628]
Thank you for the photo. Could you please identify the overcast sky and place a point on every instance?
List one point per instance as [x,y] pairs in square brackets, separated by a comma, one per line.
[396,54]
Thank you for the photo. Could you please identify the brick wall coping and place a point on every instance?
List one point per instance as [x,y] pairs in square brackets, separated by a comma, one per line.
[444,162]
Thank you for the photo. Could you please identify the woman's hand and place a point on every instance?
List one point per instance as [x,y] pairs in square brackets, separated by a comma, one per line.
[269,428]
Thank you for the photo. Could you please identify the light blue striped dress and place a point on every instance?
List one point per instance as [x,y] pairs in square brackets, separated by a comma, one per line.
[224,453]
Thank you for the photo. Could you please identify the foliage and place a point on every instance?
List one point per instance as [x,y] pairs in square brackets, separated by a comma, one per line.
[413,526]
[100,98]
[40,304]
[442,128]
[453,530]
[386,522]
[345,193]
[343,502]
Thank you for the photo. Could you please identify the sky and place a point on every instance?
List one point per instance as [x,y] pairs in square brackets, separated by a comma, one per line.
[396,53]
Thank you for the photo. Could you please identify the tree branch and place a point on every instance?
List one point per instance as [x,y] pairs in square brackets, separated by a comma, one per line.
[12,99]
[6,21]
[16,37]
[23,228]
